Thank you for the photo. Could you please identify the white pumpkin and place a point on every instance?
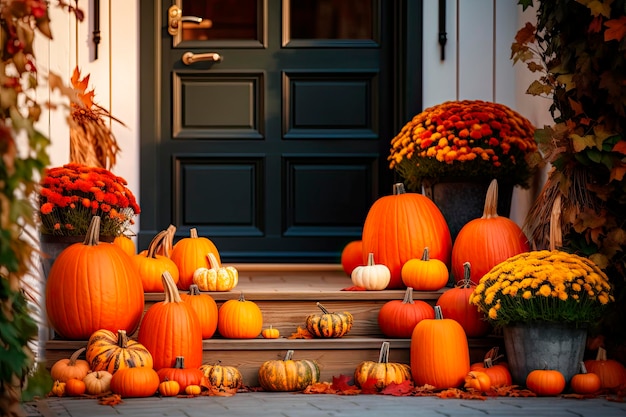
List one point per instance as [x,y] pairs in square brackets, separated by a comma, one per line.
[373,277]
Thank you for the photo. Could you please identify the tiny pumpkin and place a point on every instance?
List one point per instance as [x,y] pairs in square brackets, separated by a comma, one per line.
[478,381]
[71,367]
[270,333]
[222,376]
[216,277]
[545,382]
[585,382]
[372,276]
[288,374]
[74,387]
[193,389]
[383,371]
[169,388]
[58,388]
[97,382]
[425,274]
[329,324]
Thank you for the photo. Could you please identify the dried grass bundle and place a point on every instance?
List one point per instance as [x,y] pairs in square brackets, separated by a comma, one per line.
[92,141]
[564,192]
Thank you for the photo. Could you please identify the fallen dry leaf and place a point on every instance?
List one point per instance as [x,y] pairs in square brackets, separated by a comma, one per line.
[301,333]
[111,399]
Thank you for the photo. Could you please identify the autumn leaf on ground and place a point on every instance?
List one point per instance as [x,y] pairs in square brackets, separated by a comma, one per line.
[424,390]
[301,333]
[460,394]
[319,388]
[369,386]
[343,386]
[405,388]
[220,391]
[112,399]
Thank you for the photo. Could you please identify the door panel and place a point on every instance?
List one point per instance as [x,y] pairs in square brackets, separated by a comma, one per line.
[276,151]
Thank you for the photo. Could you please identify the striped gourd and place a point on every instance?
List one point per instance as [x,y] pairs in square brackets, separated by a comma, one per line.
[222,376]
[329,324]
[383,371]
[107,351]
[287,374]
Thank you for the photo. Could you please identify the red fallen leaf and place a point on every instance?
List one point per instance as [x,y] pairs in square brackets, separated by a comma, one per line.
[405,388]
[342,383]
[353,288]
[301,333]
[318,388]
[369,386]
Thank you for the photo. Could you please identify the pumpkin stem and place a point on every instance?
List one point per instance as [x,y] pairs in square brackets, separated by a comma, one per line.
[289,355]
[75,356]
[193,233]
[93,233]
[383,357]
[321,307]
[241,297]
[583,368]
[601,356]
[408,296]
[156,241]
[168,242]
[194,290]
[171,291]
[398,188]
[213,261]
[122,339]
[426,254]
[438,313]
[467,275]
[370,259]
[179,362]
[491,201]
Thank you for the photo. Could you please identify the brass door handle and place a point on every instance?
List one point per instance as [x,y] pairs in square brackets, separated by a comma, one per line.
[175,17]
[190,58]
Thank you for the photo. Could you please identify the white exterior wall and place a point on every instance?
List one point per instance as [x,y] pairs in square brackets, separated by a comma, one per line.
[477,65]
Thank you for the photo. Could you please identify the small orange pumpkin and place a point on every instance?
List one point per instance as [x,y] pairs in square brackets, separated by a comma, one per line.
[545,382]
[585,382]
[169,388]
[240,319]
[270,333]
[478,381]
[135,382]
[150,265]
[425,274]
[74,387]
[65,369]
[189,254]
[126,243]
[205,307]
[398,318]
[612,373]
[352,256]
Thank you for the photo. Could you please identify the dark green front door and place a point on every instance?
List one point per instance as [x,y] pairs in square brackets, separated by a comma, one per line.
[266,125]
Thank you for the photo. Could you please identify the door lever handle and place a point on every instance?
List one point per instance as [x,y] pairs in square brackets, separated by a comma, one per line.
[190,58]
[175,18]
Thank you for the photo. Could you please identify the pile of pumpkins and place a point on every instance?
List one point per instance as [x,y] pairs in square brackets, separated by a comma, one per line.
[406,244]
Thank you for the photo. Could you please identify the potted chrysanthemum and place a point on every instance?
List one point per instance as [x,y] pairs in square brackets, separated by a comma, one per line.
[469,141]
[544,301]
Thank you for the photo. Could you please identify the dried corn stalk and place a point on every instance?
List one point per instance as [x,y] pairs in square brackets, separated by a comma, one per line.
[91,140]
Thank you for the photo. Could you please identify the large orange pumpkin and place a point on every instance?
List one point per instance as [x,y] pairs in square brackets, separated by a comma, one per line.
[455,305]
[487,241]
[612,373]
[189,254]
[439,353]
[171,328]
[398,227]
[93,286]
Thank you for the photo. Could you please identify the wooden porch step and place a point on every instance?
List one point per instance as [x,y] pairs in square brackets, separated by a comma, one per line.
[286,295]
